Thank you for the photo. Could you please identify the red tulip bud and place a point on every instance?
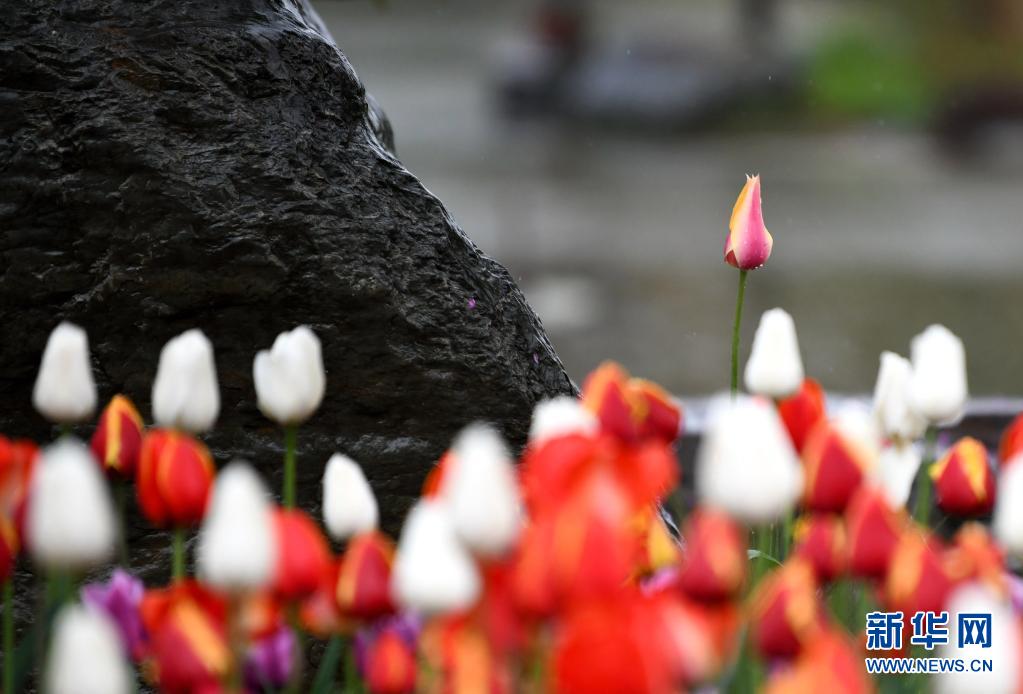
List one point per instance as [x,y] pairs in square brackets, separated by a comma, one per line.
[363,585]
[834,466]
[873,528]
[963,481]
[801,412]
[821,539]
[390,665]
[714,565]
[118,438]
[1012,440]
[787,614]
[916,580]
[174,478]
[303,555]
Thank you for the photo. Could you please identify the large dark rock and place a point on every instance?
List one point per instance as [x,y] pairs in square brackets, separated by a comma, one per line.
[169,164]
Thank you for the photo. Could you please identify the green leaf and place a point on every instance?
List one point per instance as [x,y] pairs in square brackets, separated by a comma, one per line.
[324,681]
[752,554]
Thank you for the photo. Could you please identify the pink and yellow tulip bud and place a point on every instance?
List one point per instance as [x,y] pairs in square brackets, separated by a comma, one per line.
[821,540]
[830,663]
[963,480]
[834,466]
[786,611]
[873,528]
[117,442]
[714,566]
[748,244]
[917,580]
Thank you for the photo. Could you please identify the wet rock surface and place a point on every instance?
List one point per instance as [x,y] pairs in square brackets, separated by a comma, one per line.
[168,165]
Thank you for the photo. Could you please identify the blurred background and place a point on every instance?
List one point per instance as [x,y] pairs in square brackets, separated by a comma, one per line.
[595,148]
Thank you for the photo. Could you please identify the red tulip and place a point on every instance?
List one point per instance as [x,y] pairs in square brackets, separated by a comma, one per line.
[1012,440]
[17,463]
[532,584]
[786,612]
[873,529]
[363,586]
[917,580]
[174,478]
[975,556]
[188,637]
[801,412]
[834,466]
[303,555]
[390,666]
[118,438]
[821,540]
[459,659]
[963,481]
[714,564]
[830,663]
[10,546]
[630,409]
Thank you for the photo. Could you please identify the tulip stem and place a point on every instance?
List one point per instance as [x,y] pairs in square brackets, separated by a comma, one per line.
[8,636]
[735,332]
[290,440]
[922,511]
[121,498]
[177,554]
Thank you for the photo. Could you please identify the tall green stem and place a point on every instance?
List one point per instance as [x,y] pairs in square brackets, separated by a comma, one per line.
[121,498]
[735,332]
[922,510]
[177,554]
[290,440]
[8,637]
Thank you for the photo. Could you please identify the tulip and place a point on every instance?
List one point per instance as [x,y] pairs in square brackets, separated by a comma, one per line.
[120,599]
[85,655]
[963,479]
[714,564]
[749,243]
[71,524]
[117,442]
[237,542]
[1012,440]
[630,409]
[821,540]
[746,465]
[917,579]
[270,661]
[560,416]
[1006,643]
[895,471]
[289,377]
[363,587]
[185,393]
[390,664]
[938,387]
[432,572]
[786,612]
[10,546]
[173,483]
[857,424]
[457,658]
[481,492]
[896,414]
[975,556]
[833,465]
[303,556]
[65,392]
[829,663]
[17,465]
[774,368]
[1008,517]
[349,506]
[187,624]
[874,529]
[801,412]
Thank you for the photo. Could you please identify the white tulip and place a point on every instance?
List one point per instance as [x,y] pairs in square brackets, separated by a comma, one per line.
[86,656]
[775,369]
[938,389]
[64,391]
[746,465]
[1007,522]
[237,546]
[185,392]
[432,572]
[71,522]
[855,421]
[349,507]
[895,414]
[1004,649]
[560,416]
[481,491]
[289,377]
[895,471]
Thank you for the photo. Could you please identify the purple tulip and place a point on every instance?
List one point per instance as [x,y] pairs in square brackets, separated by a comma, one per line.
[120,598]
[271,660]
